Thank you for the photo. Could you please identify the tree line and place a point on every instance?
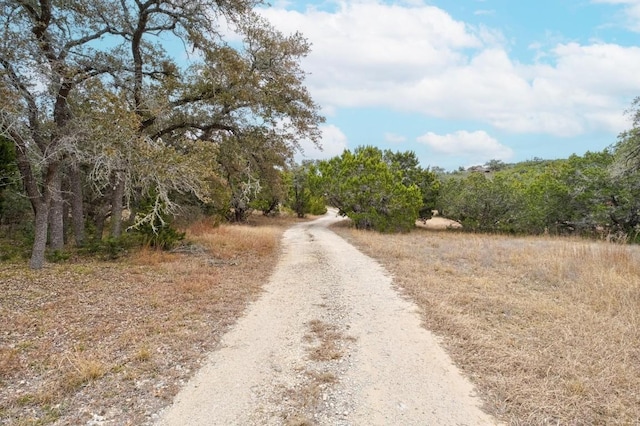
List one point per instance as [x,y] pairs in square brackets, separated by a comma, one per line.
[98,117]
[103,129]
[596,194]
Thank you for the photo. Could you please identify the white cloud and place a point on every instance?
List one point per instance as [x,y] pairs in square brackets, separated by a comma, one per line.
[394,138]
[333,143]
[478,146]
[417,58]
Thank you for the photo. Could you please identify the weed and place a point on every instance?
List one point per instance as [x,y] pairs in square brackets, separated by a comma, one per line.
[58,256]
[81,369]
[26,399]
[143,354]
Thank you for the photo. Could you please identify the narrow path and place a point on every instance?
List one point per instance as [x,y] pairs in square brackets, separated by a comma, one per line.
[329,343]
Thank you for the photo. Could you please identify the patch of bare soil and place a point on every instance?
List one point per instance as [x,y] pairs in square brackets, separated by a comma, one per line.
[112,342]
[547,329]
[438,223]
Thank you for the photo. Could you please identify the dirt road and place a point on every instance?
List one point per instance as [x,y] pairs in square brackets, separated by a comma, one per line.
[329,343]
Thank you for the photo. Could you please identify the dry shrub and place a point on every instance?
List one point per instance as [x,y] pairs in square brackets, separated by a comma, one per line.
[80,368]
[143,354]
[548,329]
[203,226]
[328,338]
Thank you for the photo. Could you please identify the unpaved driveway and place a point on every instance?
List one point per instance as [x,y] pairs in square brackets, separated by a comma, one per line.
[329,343]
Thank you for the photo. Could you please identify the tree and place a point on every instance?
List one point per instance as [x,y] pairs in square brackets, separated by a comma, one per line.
[574,195]
[55,79]
[45,54]
[627,148]
[407,165]
[496,165]
[304,197]
[478,202]
[364,188]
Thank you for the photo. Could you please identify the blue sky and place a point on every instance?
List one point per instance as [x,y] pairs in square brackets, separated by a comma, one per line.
[466,81]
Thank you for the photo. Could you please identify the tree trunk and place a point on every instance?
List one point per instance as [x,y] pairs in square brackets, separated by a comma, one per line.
[77,206]
[101,216]
[116,205]
[56,215]
[40,241]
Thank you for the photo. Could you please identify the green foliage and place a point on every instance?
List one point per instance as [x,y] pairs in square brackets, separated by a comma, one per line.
[13,246]
[8,176]
[406,164]
[159,235]
[112,248]
[627,148]
[58,256]
[154,229]
[496,165]
[16,213]
[364,188]
[581,194]
[478,202]
[317,205]
[303,195]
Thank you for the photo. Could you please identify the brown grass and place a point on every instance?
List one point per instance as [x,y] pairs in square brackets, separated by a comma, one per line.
[305,399]
[547,329]
[118,339]
[328,339]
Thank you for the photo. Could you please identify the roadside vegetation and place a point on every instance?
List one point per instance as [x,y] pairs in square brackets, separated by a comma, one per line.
[89,338]
[547,328]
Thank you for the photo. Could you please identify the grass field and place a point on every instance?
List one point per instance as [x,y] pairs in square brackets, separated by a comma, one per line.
[82,340]
[548,329]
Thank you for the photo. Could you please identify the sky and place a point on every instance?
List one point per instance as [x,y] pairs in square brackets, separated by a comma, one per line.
[462,82]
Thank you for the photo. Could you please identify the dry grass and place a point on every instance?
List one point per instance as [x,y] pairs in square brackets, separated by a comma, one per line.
[547,329]
[117,340]
[302,402]
[328,339]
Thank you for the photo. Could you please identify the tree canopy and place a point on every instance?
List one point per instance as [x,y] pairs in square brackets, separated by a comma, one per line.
[103,117]
[364,187]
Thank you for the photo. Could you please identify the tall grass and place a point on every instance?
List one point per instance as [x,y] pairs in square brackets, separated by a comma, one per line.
[230,241]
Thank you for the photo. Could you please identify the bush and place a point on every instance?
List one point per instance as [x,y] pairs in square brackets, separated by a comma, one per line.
[161,236]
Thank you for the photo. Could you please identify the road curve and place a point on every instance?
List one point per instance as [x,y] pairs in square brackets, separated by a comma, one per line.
[330,342]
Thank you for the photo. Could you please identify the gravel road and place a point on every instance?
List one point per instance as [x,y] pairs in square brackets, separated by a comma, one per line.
[330,342]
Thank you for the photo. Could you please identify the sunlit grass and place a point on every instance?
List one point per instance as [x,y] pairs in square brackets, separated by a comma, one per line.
[86,337]
[548,329]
